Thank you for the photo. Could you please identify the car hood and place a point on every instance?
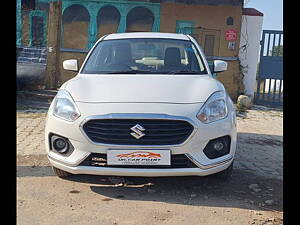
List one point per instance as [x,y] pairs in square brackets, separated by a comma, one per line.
[142,88]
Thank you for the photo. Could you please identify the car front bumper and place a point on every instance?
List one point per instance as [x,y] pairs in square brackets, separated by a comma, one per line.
[192,147]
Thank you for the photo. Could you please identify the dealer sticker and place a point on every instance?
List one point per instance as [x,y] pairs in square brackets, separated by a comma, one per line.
[138,157]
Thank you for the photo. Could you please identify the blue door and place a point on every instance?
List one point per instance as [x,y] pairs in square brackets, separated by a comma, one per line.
[270,72]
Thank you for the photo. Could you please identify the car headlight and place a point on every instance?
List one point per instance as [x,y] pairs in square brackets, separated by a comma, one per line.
[64,107]
[215,108]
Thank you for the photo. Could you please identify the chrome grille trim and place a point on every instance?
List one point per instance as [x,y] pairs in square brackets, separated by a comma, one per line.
[138,116]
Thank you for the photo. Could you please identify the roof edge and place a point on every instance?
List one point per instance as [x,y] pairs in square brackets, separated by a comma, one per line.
[252,12]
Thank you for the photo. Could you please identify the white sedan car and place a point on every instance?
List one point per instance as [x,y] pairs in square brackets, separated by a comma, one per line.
[142,104]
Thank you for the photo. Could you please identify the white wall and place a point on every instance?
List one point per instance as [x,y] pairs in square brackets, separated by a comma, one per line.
[249,56]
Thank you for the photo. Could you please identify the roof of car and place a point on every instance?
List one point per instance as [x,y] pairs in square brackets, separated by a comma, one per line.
[146,35]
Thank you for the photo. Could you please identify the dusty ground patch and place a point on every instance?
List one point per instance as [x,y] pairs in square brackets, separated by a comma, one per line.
[252,196]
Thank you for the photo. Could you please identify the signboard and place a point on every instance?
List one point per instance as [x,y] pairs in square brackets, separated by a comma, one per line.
[231,35]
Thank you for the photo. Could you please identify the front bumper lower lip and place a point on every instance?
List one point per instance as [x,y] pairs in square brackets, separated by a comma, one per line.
[203,170]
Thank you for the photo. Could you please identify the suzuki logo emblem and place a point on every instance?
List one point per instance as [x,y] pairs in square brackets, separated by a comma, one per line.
[137,131]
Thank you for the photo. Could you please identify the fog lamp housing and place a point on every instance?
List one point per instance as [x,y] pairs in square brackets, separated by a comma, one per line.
[218,147]
[60,144]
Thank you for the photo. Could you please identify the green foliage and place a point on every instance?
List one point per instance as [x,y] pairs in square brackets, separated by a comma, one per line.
[277,50]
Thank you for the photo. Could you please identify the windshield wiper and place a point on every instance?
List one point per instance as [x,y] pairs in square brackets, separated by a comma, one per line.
[184,72]
[130,72]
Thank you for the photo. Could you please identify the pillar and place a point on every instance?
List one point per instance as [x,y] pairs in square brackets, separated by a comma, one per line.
[122,23]
[93,29]
[156,24]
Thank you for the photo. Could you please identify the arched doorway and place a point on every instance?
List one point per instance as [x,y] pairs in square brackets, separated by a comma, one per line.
[37,28]
[139,19]
[108,19]
[27,6]
[76,21]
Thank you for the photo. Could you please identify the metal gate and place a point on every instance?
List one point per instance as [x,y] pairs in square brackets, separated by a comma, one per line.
[270,72]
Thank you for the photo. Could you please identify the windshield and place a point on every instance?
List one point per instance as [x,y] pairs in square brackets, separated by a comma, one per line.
[144,55]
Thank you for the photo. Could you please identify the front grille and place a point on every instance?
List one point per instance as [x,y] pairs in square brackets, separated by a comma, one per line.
[100,160]
[157,131]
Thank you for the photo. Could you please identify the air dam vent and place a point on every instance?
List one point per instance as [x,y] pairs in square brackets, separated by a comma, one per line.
[138,131]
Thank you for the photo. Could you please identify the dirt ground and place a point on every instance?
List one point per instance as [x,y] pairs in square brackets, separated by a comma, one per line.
[252,196]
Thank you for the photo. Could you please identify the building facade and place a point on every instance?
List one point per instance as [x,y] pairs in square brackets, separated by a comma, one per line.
[215,24]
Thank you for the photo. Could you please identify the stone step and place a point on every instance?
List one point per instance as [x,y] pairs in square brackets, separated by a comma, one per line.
[31,60]
[32,55]
[47,95]
[34,50]
[33,105]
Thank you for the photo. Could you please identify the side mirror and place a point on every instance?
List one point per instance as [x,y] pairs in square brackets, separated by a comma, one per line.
[219,66]
[71,64]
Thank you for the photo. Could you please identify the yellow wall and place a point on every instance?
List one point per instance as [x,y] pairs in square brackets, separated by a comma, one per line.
[139,27]
[104,29]
[211,17]
[232,79]
[75,35]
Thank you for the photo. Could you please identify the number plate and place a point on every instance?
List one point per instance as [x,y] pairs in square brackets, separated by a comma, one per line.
[139,157]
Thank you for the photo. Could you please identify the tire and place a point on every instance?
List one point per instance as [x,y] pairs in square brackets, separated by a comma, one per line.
[60,173]
[225,174]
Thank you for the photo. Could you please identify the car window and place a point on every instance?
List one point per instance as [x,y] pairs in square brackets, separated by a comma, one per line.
[144,55]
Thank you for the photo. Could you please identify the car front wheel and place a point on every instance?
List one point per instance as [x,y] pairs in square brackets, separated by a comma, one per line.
[59,172]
